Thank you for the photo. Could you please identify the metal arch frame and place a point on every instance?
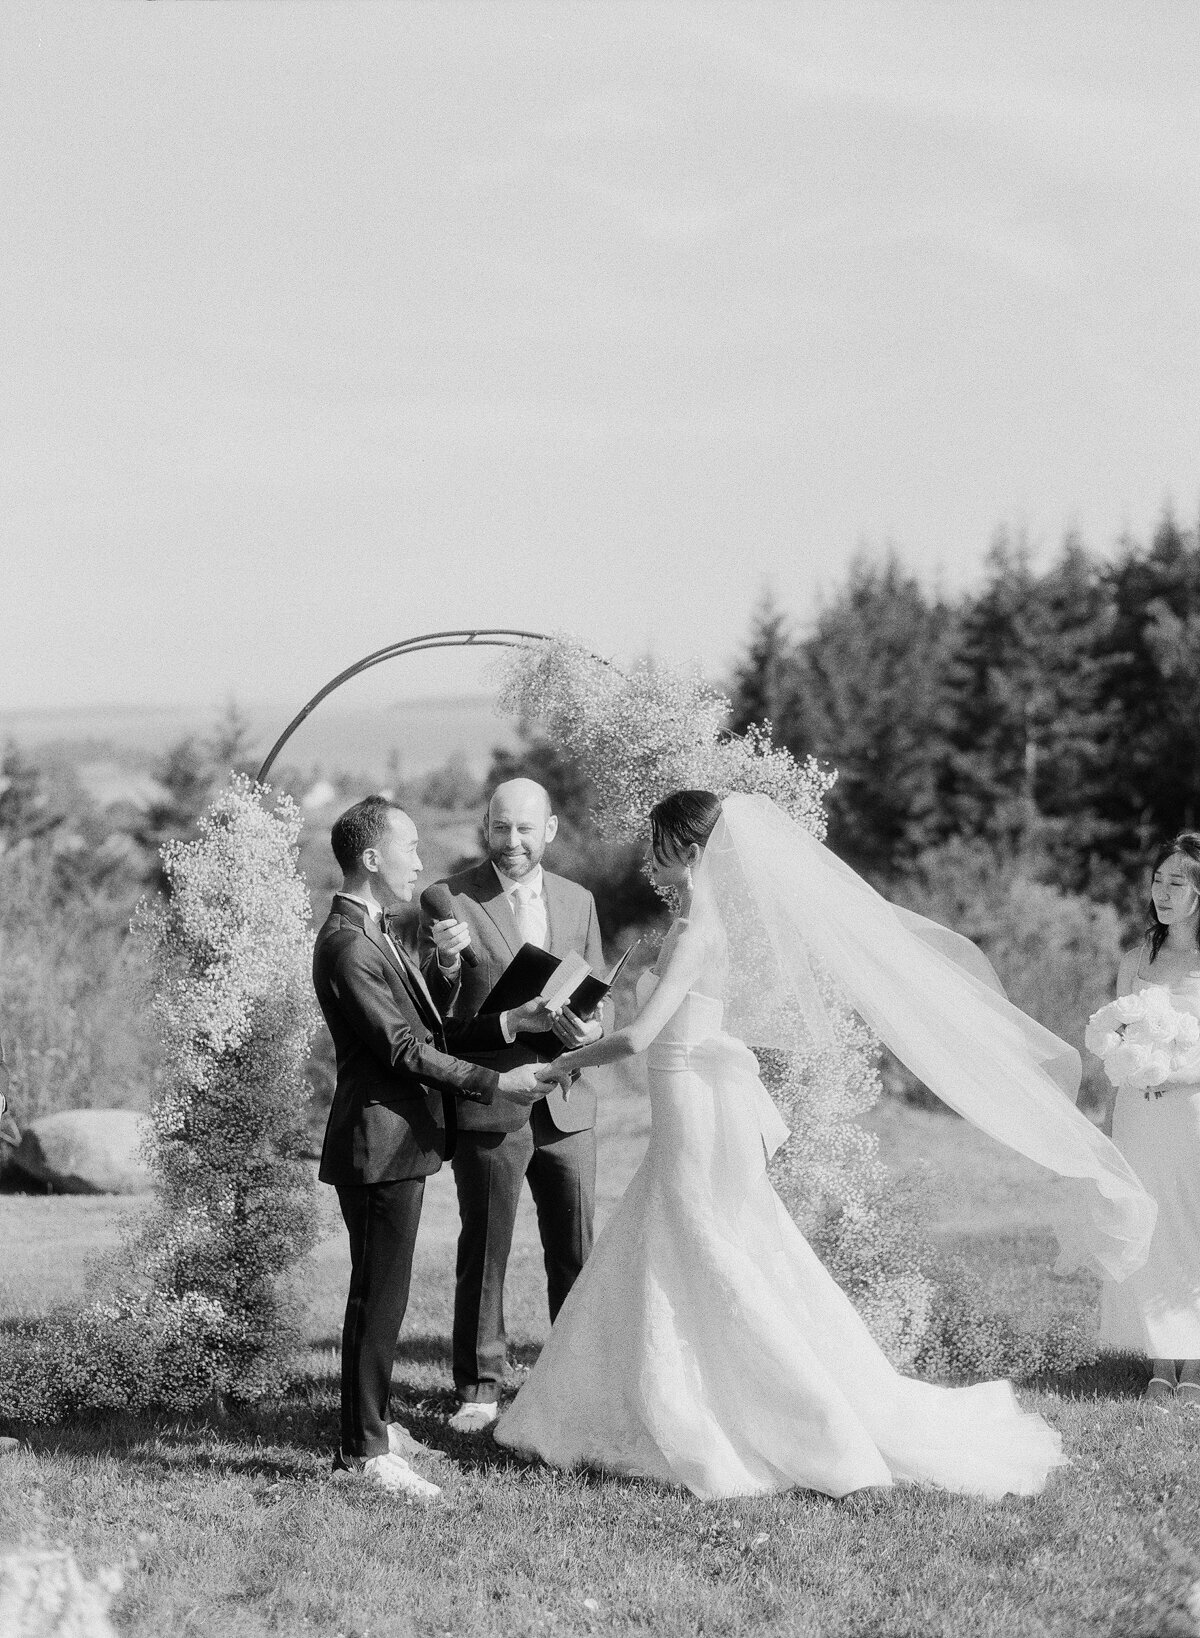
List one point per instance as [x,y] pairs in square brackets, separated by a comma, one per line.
[488,637]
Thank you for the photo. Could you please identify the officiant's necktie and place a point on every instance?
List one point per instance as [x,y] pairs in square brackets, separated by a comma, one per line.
[529,908]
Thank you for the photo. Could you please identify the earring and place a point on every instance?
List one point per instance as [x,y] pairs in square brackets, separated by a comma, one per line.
[688,875]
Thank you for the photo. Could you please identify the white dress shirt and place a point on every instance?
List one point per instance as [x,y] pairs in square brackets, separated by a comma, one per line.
[527,901]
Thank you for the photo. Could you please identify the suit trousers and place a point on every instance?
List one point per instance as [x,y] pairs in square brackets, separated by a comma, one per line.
[488,1171]
[382,1221]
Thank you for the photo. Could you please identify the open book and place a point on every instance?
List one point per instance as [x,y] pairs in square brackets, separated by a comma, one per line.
[535,973]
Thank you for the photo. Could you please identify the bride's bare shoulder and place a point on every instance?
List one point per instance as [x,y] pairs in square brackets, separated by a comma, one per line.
[688,942]
[1127,967]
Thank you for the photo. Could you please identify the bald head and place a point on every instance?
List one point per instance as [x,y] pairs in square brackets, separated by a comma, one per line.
[523,793]
[520,824]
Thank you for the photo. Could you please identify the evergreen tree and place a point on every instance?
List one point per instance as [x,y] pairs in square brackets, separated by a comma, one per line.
[1153,685]
[862,692]
[765,680]
[1030,719]
[998,704]
[1071,743]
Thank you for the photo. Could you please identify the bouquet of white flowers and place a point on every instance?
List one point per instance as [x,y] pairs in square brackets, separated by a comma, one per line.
[1145,1040]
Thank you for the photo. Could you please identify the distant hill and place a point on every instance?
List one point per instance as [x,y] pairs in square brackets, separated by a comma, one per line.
[409,738]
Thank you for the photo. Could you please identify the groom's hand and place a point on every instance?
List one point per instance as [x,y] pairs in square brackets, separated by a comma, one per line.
[574,1031]
[522,1084]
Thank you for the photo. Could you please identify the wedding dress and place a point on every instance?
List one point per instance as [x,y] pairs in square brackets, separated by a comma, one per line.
[704,1343]
[1156,1311]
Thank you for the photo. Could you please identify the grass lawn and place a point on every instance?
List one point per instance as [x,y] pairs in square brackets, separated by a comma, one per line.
[232,1526]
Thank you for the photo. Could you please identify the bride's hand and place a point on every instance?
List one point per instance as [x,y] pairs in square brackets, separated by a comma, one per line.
[558,1073]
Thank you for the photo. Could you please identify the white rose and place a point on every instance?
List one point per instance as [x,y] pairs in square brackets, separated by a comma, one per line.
[1130,1008]
[1125,1062]
[1101,1041]
[1187,1028]
[1106,1017]
[1155,1069]
[1158,1021]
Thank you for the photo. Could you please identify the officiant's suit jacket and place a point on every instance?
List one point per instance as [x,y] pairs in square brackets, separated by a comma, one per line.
[572,924]
[393,1112]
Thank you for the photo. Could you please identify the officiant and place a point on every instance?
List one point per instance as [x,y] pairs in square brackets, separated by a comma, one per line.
[506,901]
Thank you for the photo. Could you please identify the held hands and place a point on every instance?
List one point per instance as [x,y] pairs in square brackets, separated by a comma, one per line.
[559,1073]
[522,1084]
[451,938]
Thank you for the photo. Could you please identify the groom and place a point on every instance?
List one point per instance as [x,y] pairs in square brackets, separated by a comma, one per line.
[504,902]
[392,1118]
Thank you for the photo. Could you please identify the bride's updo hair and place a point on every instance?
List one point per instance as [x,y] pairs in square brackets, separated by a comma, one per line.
[1187,845]
[682,820]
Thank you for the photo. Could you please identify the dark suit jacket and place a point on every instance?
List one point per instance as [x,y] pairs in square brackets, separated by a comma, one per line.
[393,1111]
[479,900]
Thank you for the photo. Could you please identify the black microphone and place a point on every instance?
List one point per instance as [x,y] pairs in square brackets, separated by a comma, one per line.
[437,901]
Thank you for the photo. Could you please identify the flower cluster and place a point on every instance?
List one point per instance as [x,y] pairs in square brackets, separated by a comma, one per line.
[201,1303]
[1144,1040]
[644,733]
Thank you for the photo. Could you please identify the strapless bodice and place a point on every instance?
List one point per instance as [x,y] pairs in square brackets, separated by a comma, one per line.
[698,1017]
[1184,991]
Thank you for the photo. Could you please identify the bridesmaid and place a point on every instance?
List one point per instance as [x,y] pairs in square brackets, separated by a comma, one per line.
[1156,1311]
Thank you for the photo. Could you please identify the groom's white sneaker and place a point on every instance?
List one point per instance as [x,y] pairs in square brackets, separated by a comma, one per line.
[401,1443]
[475,1415]
[390,1473]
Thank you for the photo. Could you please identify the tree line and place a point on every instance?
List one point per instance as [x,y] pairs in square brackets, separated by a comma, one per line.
[1052,714]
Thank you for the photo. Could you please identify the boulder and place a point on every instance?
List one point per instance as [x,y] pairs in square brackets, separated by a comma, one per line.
[10,1142]
[85,1151]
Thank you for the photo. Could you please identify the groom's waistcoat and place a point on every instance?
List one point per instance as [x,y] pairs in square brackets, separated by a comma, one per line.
[572,924]
[393,1111]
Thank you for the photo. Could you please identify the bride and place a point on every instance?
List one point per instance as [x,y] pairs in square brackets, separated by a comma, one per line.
[704,1343]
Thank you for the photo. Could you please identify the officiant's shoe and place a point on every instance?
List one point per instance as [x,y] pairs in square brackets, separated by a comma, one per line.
[475,1416]
[1159,1392]
[401,1443]
[390,1473]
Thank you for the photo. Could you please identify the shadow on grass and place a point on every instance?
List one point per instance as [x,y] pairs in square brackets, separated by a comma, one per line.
[1111,1376]
[290,1436]
[288,1439]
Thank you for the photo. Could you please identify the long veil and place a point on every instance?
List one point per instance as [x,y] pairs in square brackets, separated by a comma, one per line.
[794,916]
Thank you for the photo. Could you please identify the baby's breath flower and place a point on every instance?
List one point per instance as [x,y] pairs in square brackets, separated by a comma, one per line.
[203,1308]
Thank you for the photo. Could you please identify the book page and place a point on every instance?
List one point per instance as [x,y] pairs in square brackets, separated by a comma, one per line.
[562,983]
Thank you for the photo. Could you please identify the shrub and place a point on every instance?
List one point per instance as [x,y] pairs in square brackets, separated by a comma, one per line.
[206,1308]
[965,1336]
[1055,953]
[71,1016]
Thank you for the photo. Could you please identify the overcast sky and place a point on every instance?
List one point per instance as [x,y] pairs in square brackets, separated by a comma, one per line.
[326,324]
